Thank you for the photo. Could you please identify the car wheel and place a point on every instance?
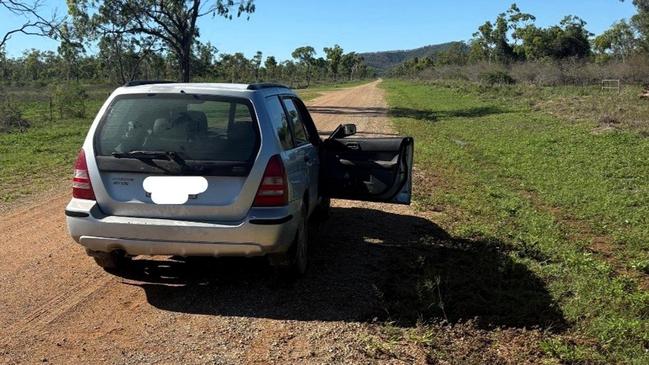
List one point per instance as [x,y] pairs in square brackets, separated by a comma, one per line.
[110,260]
[301,244]
[321,211]
[294,261]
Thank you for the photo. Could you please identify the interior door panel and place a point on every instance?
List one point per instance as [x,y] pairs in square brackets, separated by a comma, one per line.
[370,169]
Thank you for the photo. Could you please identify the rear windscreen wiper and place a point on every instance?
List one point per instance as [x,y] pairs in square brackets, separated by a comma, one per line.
[143,155]
[150,155]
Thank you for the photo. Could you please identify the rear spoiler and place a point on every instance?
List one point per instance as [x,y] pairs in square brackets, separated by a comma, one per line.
[148,82]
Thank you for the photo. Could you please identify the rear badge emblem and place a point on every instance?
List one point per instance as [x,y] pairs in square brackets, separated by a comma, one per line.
[174,189]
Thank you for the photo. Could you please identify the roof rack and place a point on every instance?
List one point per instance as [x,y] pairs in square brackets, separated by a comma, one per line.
[265,85]
[147,82]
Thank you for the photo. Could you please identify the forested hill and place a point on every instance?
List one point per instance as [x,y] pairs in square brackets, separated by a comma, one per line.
[387,59]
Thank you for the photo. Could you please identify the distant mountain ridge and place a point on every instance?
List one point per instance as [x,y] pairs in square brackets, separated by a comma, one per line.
[387,59]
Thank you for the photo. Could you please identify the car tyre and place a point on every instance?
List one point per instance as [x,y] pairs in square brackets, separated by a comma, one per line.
[294,262]
[321,211]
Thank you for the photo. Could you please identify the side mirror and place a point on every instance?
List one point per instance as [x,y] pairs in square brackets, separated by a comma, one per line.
[344,130]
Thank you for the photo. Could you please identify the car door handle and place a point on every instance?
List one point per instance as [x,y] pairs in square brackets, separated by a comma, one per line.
[353,146]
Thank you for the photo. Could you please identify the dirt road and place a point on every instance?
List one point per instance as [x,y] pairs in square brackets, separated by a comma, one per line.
[57,306]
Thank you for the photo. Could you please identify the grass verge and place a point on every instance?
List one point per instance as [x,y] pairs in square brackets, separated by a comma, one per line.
[42,156]
[569,205]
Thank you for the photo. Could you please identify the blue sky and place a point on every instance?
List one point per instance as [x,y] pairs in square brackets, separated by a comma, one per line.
[279,26]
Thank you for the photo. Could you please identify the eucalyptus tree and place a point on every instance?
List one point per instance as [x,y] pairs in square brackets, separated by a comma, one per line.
[271,67]
[334,56]
[618,41]
[289,70]
[203,59]
[170,23]
[255,62]
[235,67]
[121,56]
[641,22]
[305,56]
[33,22]
[321,68]
[71,51]
[350,63]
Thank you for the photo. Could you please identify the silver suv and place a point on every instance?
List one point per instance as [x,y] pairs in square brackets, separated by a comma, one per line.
[219,170]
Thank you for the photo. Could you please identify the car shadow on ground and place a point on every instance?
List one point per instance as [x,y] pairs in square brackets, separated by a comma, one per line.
[365,265]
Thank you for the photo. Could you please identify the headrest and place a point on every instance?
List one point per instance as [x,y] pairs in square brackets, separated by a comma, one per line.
[200,119]
[160,125]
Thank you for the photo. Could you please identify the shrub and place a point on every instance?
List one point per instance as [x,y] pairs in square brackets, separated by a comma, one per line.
[539,73]
[496,78]
[11,118]
[543,72]
[69,99]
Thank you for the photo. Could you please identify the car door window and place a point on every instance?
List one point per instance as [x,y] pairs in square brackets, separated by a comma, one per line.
[310,127]
[297,122]
[279,121]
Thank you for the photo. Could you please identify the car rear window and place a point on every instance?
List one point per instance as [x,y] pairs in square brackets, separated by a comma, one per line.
[195,127]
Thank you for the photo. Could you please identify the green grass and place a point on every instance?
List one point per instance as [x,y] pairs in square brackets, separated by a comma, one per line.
[506,170]
[589,105]
[42,156]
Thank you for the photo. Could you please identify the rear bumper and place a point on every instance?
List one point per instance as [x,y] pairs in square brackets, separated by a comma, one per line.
[263,231]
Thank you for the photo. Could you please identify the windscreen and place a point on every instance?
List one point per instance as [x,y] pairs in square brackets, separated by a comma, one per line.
[195,127]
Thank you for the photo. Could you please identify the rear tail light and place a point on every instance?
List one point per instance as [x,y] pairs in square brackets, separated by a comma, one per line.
[81,186]
[273,190]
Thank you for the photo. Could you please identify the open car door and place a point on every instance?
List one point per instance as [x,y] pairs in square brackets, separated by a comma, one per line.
[370,169]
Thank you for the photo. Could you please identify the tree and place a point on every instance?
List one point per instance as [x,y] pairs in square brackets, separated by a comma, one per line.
[289,70]
[493,38]
[305,56]
[641,22]
[334,56]
[619,41]
[518,21]
[4,64]
[34,23]
[236,67]
[34,66]
[171,23]
[271,67]
[478,50]
[203,61]
[568,39]
[351,62]
[70,51]
[256,64]
[121,56]
[571,38]
[320,65]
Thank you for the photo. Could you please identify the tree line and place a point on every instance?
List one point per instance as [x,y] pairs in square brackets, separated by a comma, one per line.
[156,39]
[118,63]
[514,37]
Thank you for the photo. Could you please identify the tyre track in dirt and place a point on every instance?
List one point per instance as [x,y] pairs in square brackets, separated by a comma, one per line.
[58,306]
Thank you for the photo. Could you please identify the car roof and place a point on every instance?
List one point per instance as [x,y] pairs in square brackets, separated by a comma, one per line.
[136,87]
